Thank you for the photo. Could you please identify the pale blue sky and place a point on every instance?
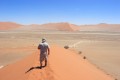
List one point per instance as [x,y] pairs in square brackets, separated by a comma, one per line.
[72,11]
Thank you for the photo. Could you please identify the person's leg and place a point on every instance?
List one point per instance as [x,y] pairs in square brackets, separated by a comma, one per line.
[45,62]
[40,63]
[46,59]
[41,60]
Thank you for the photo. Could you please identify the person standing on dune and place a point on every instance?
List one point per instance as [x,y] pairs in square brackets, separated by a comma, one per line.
[44,51]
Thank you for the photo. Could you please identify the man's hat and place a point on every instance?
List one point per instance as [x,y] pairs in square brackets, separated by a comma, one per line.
[43,40]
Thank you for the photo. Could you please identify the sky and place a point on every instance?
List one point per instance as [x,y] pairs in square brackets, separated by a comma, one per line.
[80,12]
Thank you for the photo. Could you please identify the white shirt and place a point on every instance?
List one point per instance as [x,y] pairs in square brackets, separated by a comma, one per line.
[43,47]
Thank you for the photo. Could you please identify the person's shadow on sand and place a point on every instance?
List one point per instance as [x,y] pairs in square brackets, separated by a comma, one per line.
[37,67]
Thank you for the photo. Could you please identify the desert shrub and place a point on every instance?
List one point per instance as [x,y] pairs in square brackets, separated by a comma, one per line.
[84,57]
[80,52]
[66,47]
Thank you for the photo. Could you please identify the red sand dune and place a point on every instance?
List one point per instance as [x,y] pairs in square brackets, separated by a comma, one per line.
[52,26]
[63,65]
[8,25]
[60,26]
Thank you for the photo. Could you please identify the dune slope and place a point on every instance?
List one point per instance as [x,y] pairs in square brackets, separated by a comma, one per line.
[8,25]
[52,26]
[60,26]
[101,27]
[63,65]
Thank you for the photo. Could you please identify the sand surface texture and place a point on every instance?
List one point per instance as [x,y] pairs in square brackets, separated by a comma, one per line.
[63,65]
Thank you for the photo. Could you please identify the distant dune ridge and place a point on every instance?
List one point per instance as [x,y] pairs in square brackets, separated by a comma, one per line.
[101,27]
[60,27]
[9,25]
[51,26]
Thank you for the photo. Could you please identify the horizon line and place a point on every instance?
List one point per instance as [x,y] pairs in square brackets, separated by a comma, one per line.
[57,22]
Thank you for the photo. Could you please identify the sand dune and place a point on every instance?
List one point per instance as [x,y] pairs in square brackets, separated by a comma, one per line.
[63,65]
[52,26]
[60,27]
[101,27]
[8,25]
[72,27]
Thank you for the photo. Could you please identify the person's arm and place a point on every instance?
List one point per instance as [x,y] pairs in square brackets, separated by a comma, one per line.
[48,51]
[39,46]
